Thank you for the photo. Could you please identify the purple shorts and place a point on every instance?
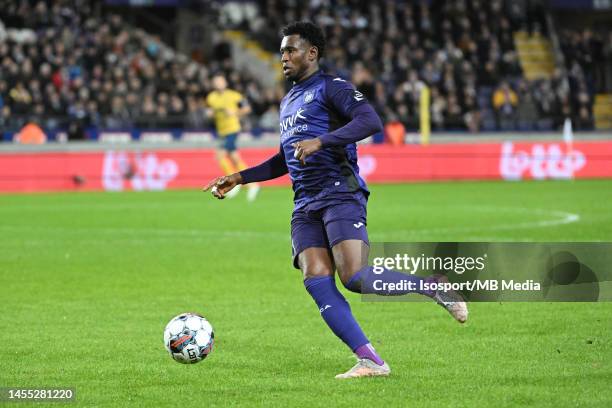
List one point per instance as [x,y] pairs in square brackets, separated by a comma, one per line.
[327,226]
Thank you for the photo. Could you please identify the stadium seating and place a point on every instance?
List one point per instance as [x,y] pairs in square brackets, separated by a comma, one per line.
[66,66]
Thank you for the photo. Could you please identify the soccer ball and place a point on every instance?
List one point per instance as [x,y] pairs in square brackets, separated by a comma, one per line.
[189,338]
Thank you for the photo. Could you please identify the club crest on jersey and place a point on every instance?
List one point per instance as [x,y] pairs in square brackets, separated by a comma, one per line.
[309,96]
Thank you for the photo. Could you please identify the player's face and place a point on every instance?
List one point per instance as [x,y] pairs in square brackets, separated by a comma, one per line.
[219,83]
[298,57]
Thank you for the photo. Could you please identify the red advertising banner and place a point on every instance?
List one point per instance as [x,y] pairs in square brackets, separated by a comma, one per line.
[160,169]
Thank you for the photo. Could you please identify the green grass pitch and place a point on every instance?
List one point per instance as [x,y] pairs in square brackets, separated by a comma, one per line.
[89,280]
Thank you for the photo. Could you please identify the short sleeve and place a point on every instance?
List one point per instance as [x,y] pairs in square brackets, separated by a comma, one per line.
[238,96]
[343,96]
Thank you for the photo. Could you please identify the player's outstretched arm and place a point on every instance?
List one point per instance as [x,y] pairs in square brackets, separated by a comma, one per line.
[270,169]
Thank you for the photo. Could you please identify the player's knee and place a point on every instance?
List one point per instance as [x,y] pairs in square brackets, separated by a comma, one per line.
[353,284]
[315,270]
[350,276]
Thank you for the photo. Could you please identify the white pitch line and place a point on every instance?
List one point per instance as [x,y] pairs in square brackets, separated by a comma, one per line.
[560,218]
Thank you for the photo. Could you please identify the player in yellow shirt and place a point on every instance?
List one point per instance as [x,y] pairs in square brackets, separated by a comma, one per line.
[227,106]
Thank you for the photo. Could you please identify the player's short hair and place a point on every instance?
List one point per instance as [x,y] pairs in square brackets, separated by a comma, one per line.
[308,31]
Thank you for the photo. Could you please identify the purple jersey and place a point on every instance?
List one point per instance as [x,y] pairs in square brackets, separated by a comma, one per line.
[312,108]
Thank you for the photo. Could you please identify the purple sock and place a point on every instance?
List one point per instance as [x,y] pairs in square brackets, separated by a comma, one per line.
[387,283]
[336,311]
[367,351]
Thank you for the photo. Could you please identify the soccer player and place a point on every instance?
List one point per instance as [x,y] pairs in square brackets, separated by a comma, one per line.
[321,119]
[227,107]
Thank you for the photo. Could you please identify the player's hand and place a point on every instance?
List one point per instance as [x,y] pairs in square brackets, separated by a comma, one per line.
[305,148]
[222,185]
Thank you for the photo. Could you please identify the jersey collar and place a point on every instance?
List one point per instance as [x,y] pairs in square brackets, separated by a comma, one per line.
[308,81]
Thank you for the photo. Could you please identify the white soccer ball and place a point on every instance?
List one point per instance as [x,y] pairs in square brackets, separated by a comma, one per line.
[189,338]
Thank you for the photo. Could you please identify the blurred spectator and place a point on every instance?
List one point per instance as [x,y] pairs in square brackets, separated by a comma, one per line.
[505,101]
[527,111]
[31,133]
[395,132]
[588,58]
[548,108]
[20,99]
[607,62]
[196,114]
[269,120]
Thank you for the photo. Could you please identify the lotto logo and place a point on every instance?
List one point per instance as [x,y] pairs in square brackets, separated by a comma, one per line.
[542,162]
[141,171]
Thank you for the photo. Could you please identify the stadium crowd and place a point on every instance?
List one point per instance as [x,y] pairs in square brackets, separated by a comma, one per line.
[588,60]
[69,66]
[471,65]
